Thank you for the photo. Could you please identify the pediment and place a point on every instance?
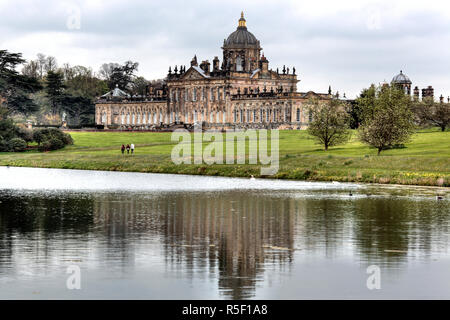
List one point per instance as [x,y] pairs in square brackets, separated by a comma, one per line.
[192,74]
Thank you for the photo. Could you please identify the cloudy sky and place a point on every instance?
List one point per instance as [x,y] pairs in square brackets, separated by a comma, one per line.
[345,44]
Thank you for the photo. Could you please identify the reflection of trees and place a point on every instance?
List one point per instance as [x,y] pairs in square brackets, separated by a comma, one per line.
[39,220]
[400,225]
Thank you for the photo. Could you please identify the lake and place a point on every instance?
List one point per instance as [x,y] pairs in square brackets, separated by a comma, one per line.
[160,236]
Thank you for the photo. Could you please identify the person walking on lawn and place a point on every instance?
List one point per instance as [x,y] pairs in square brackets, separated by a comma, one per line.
[132,148]
[128,148]
[122,149]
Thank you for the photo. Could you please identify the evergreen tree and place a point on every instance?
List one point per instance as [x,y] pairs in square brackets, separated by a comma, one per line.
[55,90]
[15,89]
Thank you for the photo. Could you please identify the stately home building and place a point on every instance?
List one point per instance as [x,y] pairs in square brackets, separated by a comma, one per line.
[238,92]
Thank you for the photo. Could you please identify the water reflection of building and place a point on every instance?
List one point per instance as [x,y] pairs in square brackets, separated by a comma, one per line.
[230,237]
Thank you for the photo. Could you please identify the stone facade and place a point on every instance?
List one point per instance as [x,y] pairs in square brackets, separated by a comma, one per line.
[242,92]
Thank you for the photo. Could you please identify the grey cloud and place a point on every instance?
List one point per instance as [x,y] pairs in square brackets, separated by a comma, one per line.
[334,48]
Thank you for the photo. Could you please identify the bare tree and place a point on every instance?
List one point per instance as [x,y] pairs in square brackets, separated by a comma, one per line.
[41,59]
[50,64]
[31,69]
[107,69]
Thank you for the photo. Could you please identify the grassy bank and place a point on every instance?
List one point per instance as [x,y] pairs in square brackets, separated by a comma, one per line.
[424,161]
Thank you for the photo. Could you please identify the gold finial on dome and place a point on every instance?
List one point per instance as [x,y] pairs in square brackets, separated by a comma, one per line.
[242,20]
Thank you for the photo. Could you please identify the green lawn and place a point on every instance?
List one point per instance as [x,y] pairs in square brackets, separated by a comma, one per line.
[425,160]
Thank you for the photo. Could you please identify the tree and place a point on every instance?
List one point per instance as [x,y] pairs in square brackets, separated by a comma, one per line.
[106,70]
[387,119]
[123,75]
[15,88]
[41,64]
[80,109]
[50,64]
[329,123]
[54,89]
[139,86]
[31,69]
[430,112]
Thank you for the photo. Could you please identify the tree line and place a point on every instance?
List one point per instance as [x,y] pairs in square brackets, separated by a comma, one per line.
[384,116]
[45,91]
[41,90]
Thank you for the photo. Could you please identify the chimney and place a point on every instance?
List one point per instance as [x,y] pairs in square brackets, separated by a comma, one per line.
[216,66]
[441,99]
[205,66]
[264,65]
[416,93]
[428,92]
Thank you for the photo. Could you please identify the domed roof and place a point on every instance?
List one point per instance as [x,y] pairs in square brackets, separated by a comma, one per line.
[401,79]
[241,37]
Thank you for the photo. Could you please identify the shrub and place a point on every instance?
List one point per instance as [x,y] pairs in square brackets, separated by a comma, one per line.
[17,145]
[51,139]
[25,134]
[51,144]
[3,145]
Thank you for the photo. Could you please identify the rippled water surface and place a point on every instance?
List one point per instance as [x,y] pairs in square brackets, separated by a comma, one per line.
[154,236]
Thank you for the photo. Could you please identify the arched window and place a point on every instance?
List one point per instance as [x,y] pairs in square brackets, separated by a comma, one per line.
[133,118]
[186,117]
[149,118]
[211,117]
[235,116]
[122,118]
[195,115]
[138,118]
[297,117]
[224,115]
[261,115]
[218,117]
[104,117]
[194,94]
[128,118]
